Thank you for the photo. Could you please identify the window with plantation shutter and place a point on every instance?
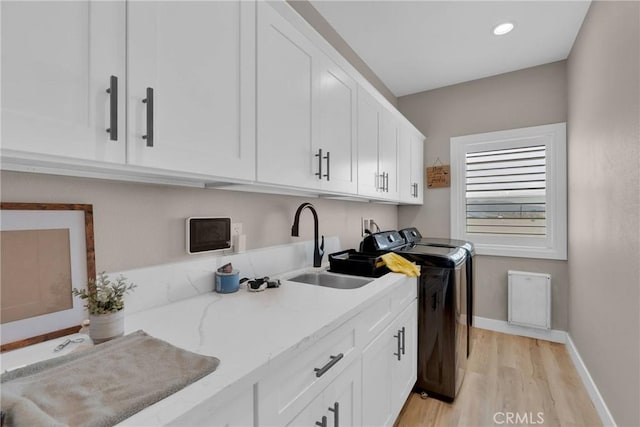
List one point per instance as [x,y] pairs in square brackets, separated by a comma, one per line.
[509,191]
[505,192]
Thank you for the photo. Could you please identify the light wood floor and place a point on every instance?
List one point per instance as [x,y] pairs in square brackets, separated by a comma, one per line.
[507,373]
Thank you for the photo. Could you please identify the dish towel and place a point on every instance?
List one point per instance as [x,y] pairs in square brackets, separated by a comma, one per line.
[398,264]
[100,386]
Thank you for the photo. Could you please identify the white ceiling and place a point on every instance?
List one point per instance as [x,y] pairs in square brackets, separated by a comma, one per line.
[420,45]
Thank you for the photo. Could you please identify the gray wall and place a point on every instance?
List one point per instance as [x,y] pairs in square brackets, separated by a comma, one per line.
[317,21]
[529,97]
[139,225]
[604,203]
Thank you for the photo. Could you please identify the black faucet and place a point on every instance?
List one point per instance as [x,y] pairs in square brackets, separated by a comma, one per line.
[318,251]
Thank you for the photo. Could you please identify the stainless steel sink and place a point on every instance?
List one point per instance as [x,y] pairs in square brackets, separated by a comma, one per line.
[329,280]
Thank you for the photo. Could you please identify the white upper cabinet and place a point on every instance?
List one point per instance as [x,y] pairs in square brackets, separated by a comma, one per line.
[285,95]
[58,59]
[411,173]
[388,154]
[306,111]
[191,90]
[377,149]
[337,128]
[200,92]
[369,180]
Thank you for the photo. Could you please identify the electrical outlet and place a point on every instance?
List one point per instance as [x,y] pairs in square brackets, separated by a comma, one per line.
[236,229]
[364,226]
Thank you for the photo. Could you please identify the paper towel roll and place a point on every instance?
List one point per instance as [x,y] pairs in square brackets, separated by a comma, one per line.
[239,243]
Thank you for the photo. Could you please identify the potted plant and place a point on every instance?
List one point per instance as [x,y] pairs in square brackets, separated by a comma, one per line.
[105,303]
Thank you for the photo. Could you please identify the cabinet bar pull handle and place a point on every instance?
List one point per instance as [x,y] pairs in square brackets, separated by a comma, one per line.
[336,414]
[334,359]
[416,186]
[403,330]
[149,101]
[386,182]
[328,163]
[319,156]
[322,423]
[397,337]
[113,108]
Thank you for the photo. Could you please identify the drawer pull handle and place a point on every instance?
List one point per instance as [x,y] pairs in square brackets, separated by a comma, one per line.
[322,423]
[336,414]
[319,156]
[149,101]
[328,159]
[113,108]
[397,337]
[334,359]
[403,331]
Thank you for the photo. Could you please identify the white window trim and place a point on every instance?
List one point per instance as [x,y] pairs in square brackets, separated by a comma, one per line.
[554,244]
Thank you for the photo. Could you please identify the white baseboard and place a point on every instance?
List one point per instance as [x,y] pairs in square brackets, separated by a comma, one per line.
[562,337]
[590,385]
[553,335]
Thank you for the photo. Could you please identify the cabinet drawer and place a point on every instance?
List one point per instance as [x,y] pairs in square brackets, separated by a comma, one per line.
[376,317]
[404,293]
[294,383]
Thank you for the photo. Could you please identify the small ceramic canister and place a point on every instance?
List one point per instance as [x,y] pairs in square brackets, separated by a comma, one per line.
[227,283]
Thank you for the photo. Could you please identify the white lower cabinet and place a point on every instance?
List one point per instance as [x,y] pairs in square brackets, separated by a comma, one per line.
[389,369]
[296,381]
[338,405]
[235,410]
[359,374]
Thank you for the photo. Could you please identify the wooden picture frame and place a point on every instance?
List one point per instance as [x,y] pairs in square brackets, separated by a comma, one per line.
[90,262]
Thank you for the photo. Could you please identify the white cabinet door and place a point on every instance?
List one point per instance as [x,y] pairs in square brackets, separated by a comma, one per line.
[197,58]
[286,90]
[417,168]
[312,414]
[337,128]
[338,405]
[57,61]
[377,378]
[388,155]
[369,180]
[411,167]
[389,369]
[343,398]
[405,370]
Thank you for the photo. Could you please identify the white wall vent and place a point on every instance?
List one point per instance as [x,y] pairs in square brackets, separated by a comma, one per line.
[530,299]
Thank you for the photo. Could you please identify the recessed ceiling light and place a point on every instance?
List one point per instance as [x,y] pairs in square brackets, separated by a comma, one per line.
[502,29]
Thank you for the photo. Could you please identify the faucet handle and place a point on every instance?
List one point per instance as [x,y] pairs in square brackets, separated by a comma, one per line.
[322,246]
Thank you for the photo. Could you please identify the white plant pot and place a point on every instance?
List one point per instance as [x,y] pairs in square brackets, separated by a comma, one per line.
[104,327]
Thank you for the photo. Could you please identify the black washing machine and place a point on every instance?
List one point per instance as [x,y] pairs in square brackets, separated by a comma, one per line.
[412,236]
[442,300]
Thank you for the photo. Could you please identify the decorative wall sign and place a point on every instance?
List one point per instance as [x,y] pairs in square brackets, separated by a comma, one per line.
[438,176]
[47,249]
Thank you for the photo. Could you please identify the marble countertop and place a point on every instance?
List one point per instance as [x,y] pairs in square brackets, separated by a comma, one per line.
[247,331]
